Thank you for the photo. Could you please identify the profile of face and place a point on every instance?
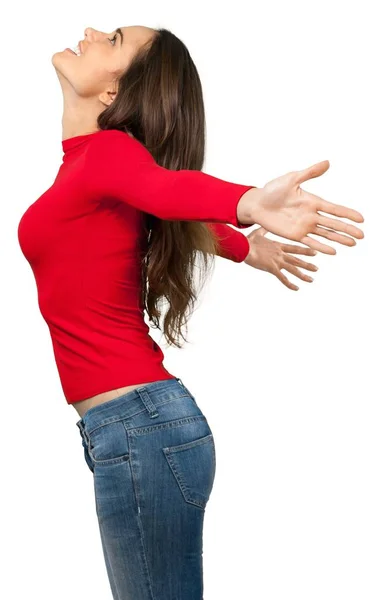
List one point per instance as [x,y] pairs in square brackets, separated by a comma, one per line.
[104,57]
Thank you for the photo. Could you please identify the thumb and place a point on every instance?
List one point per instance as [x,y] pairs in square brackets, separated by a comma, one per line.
[261,231]
[313,171]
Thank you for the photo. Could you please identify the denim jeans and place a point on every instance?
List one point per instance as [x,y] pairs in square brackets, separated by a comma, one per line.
[152,455]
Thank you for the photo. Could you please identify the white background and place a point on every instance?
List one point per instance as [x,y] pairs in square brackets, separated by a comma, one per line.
[286,379]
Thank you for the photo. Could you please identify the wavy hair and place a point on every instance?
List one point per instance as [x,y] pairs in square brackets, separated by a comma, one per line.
[160,103]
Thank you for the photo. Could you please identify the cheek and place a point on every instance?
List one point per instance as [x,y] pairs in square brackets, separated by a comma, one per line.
[96,64]
[87,75]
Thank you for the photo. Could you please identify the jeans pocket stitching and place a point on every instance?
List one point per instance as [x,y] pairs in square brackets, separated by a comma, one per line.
[106,461]
[187,445]
[171,451]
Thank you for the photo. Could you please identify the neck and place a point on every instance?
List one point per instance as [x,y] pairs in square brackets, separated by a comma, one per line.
[79,115]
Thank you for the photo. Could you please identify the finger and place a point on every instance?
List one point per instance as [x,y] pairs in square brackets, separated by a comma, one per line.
[297,272]
[317,245]
[300,263]
[313,171]
[332,235]
[298,249]
[285,280]
[340,226]
[338,210]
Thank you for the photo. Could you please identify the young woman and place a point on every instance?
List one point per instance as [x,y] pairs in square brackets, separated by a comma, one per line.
[118,230]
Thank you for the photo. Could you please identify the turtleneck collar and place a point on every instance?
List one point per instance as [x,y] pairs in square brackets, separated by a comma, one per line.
[74,142]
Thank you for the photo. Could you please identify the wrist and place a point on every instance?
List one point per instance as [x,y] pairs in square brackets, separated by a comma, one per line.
[250,257]
[248,206]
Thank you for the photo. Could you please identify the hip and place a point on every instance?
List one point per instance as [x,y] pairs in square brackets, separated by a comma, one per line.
[152,455]
[153,432]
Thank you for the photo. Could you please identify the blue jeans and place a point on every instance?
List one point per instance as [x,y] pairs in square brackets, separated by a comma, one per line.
[152,455]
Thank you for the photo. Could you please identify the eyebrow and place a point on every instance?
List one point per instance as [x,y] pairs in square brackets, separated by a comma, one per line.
[118,30]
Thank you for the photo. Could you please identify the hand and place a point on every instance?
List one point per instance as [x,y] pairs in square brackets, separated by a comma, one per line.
[283,208]
[268,255]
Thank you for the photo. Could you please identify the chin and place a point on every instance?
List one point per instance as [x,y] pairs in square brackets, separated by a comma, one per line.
[58,60]
[60,54]
[60,69]
[55,57]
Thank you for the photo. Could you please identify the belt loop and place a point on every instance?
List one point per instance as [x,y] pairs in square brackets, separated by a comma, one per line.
[147,401]
[83,433]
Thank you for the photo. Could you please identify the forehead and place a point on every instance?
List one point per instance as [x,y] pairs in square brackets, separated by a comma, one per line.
[134,33]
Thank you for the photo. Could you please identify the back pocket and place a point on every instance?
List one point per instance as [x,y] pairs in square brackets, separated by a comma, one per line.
[194,465]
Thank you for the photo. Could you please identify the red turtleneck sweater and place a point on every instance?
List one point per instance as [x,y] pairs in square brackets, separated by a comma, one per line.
[83,238]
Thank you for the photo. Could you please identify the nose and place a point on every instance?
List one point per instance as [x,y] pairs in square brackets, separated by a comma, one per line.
[92,35]
[89,32]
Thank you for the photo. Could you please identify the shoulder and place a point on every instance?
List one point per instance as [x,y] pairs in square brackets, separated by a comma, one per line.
[118,143]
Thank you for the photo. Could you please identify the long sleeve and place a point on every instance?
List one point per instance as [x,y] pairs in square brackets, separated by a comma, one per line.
[234,245]
[119,166]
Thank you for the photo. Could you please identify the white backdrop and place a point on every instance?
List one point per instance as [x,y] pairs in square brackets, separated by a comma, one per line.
[286,379]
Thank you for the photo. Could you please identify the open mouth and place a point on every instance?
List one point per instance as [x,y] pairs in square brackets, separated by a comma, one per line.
[75,51]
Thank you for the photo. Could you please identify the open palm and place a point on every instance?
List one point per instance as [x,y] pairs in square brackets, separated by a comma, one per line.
[271,256]
[285,209]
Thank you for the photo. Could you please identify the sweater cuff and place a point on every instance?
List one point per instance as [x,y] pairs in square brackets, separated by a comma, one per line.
[236,222]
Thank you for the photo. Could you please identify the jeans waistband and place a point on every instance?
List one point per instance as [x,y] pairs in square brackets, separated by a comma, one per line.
[130,403]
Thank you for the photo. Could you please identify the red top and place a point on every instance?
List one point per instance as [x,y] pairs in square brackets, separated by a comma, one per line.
[83,239]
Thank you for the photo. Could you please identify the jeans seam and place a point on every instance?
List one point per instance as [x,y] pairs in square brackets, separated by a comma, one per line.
[138,516]
[168,424]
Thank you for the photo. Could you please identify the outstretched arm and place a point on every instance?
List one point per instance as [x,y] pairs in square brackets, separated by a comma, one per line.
[118,166]
[234,245]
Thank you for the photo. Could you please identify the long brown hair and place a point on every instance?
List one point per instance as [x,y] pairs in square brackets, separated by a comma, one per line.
[160,102]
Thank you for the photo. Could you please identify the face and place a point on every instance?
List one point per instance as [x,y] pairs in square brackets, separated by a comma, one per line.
[105,56]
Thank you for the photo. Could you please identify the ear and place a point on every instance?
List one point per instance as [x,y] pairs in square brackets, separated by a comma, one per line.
[107,97]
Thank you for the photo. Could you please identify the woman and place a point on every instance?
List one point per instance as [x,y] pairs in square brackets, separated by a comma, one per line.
[118,230]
